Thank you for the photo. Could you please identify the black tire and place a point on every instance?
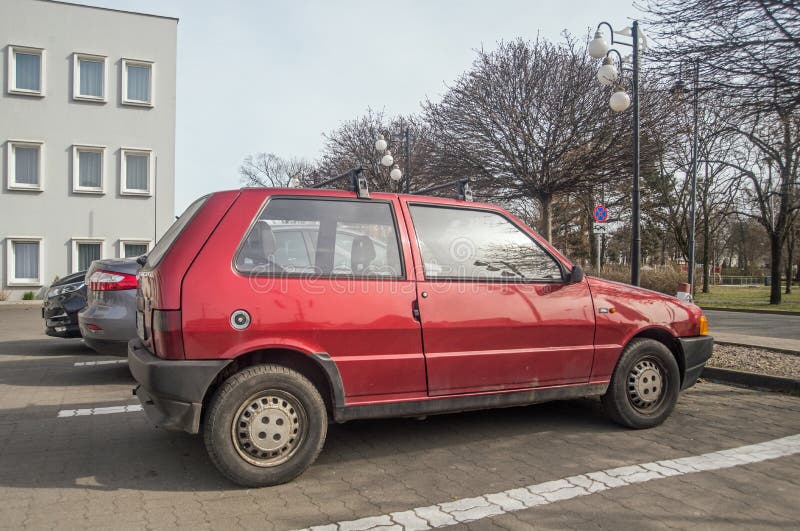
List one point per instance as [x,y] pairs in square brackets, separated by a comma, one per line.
[271,406]
[634,398]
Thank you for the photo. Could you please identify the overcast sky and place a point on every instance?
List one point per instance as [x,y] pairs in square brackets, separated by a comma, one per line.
[273,75]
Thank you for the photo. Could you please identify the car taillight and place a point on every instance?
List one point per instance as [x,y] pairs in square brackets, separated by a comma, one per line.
[167,335]
[111,281]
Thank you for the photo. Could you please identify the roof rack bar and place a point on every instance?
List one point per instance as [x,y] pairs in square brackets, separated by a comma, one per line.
[464,190]
[357,180]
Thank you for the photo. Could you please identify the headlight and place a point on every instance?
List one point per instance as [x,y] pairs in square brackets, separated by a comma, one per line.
[61,290]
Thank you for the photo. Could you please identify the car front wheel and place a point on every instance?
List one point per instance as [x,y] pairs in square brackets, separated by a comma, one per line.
[645,385]
[265,426]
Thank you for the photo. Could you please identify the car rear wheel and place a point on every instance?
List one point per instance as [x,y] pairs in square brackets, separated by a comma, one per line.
[265,426]
[645,385]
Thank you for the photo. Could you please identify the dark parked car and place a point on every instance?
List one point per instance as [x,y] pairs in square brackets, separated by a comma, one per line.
[65,298]
[109,320]
[394,305]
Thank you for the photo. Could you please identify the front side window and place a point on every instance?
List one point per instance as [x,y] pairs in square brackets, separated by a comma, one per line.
[90,77]
[136,172]
[24,261]
[322,237]
[137,84]
[26,71]
[87,164]
[25,165]
[478,245]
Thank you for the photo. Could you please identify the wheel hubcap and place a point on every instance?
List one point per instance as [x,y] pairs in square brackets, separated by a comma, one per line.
[268,428]
[645,384]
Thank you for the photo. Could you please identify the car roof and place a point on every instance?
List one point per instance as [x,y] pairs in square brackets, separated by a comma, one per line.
[347,194]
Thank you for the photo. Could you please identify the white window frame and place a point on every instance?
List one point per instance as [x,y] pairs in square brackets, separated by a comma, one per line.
[124,152]
[133,241]
[124,92]
[12,70]
[78,240]
[76,77]
[11,278]
[11,161]
[76,167]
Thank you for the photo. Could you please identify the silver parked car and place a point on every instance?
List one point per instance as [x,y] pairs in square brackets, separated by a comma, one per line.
[109,319]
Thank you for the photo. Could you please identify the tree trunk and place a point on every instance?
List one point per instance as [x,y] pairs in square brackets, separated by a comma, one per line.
[776,250]
[789,262]
[706,237]
[546,220]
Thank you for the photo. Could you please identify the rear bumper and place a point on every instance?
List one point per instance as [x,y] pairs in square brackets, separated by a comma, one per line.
[107,347]
[171,391]
[696,352]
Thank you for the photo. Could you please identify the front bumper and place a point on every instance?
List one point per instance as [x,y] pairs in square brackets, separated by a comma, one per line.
[696,352]
[171,391]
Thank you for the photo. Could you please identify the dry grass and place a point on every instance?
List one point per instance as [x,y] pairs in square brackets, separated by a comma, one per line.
[4,295]
[664,279]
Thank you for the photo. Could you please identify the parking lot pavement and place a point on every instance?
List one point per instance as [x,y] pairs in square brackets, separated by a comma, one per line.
[76,452]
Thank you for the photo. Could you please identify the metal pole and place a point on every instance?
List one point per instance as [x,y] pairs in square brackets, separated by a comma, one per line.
[692,206]
[408,163]
[597,255]
[636,244]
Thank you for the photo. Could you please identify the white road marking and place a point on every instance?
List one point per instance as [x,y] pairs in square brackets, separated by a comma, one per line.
[488,505]
[64,413]
[101,362]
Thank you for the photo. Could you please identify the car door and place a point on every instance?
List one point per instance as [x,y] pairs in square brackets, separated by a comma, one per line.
[496,313]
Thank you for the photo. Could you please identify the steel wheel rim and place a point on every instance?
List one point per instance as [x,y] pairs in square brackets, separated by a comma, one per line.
[646,384]
[269,427]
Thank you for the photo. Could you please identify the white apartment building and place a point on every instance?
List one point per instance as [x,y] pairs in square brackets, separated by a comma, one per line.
[87,131]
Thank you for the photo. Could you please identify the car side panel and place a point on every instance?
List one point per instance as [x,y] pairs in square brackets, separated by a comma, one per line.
[623,312]
[366,326]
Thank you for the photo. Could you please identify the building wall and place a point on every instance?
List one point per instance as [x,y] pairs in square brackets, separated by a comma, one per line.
[57,214]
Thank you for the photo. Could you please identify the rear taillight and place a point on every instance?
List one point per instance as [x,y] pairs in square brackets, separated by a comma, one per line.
[167,335]
[111,281]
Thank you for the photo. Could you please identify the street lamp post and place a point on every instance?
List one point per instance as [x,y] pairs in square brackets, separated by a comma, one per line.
[396,174]
[619,102]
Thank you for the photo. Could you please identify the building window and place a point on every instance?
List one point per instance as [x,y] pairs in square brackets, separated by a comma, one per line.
[89,77]
[24,261]
[133,248]
[87,169]
[84,252]
[25,164]
[26,71]
[136,171]
[137,82]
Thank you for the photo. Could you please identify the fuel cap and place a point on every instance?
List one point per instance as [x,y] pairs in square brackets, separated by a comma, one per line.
[240,320]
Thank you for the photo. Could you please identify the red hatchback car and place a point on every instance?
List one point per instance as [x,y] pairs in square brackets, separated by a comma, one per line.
[263,314]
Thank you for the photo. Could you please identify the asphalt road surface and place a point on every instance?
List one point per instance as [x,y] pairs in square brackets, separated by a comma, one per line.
[76,452]
[755,324]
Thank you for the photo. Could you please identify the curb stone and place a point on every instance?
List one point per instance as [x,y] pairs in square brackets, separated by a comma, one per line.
[743,310]
[752,380]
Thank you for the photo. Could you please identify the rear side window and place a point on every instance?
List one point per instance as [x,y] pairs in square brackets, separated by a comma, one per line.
[169,237]
[322,237]
[478,245]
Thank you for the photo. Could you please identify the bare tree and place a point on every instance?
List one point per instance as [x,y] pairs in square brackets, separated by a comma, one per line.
[272,171]
[352,144]
[750,49]
[528,121]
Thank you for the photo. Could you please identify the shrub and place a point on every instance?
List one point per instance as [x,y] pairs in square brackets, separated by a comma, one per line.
[28,296]
[664,279]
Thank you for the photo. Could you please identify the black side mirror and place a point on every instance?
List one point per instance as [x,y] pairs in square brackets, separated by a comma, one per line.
[576,275]
[142,260]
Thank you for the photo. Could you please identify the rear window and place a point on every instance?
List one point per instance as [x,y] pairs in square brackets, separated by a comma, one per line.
[169,237]
[322,237]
